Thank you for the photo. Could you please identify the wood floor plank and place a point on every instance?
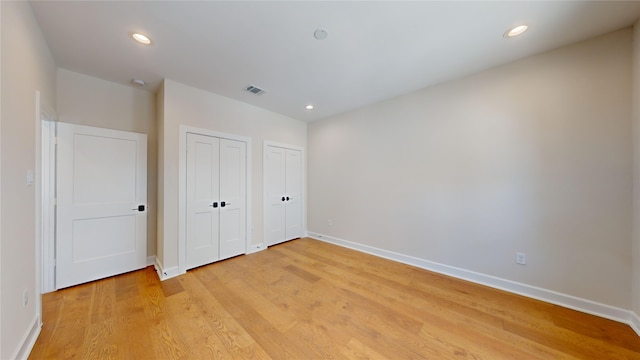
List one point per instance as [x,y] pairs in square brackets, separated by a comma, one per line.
[70,320]
[570,343]
[132,320]
[103,301]
[264,333]
[302,273]
[306,299]
[279,318]
[595,327]
[202,342]
[168,343]
[126,286]
[231,335]
[461,292]
[387,317]
[385,296]
[171,287]
[100,340]
[388,286]
[359,351]
[421,306]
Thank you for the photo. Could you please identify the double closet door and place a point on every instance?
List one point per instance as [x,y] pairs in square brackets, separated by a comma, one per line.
[283,194]
[216,199]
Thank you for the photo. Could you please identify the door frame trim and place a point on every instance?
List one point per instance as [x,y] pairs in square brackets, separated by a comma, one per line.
[48,196]
[265,205]
[182,188]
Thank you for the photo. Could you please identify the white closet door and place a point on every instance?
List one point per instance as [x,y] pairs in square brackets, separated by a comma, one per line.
[283,194]
[203,200]
[293,194]
[102,194]
[233,185]
[274,195]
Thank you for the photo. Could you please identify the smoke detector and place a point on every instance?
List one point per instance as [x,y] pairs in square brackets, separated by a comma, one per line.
[320,34]
[254,90]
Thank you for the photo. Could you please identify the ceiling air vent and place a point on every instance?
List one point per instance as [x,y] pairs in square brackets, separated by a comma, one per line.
[254,90]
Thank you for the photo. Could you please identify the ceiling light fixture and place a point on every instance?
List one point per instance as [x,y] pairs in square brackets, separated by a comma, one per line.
[141,38]
[309,107]
[138,82]
[518,30]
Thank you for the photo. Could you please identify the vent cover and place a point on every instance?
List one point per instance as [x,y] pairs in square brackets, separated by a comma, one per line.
[254,90]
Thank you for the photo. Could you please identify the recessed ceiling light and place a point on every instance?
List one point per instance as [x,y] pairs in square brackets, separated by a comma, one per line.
[138,82]
[309,107]
[141,38]
[516,31]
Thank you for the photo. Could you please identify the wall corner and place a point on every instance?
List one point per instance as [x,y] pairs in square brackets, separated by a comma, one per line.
[635,121]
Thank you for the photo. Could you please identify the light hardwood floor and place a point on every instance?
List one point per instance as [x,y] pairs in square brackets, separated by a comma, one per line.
[305,299]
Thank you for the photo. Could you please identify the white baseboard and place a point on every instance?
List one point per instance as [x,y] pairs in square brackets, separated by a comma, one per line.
[167,273]
[255,248]
[28,341]
[174,271]
[553,297]
[634,322]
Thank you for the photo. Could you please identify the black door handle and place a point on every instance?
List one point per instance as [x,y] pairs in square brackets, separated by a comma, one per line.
[139,208]
[222,204]
[215,205]
[283,198]
[287,198]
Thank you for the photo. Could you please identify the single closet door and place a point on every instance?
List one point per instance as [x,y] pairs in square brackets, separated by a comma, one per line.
[216,199]
[283,194]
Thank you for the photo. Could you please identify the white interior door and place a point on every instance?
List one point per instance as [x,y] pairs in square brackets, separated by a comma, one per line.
[274,183]
[293,194]
[101,199]
[233,184]
[283,194]
[203,199]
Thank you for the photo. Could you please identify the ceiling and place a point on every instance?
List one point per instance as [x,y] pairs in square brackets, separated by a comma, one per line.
[375,50]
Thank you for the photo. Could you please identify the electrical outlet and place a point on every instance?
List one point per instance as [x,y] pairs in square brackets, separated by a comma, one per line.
[329,222]
[25,297]
[521,258]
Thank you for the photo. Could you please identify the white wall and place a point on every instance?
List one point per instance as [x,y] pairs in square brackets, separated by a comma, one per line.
[86,100]
[27,66]
[184,105]
[636,170]
[533,156]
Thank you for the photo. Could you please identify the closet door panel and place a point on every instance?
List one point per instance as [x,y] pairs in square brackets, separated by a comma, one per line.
[233,185]
[275,195]
[293,191]
[202,191]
